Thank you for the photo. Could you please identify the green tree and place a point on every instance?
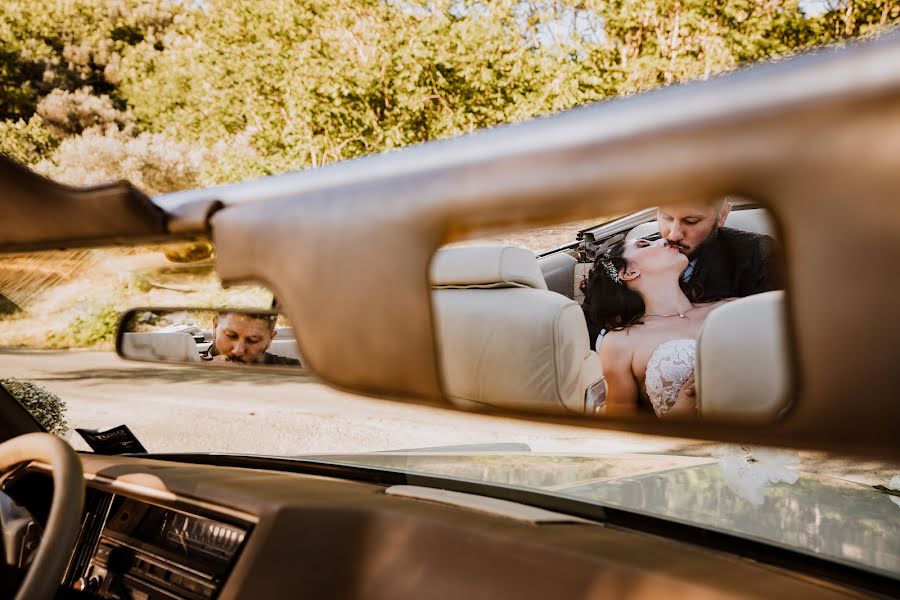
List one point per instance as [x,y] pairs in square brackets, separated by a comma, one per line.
[663,41]
[27,142]
[297,84]
[60,65]
[853,18]
[224,90]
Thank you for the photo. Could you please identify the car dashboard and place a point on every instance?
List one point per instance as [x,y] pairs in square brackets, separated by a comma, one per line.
[129,548]
[154,529]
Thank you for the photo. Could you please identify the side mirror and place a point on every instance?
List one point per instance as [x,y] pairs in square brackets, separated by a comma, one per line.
[204,336]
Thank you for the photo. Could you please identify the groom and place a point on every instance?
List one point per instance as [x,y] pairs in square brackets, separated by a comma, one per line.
[724,262]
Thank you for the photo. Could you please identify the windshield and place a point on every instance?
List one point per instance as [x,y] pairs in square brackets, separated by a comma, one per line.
[58,333]
[756,493]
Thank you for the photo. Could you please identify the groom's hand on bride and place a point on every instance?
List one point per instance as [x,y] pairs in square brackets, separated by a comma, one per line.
[686,402]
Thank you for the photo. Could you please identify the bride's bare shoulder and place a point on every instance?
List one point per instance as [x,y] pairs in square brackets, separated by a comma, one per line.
[615,349]
[616,340]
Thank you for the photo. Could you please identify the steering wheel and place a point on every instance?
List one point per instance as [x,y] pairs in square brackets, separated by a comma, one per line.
[50,560]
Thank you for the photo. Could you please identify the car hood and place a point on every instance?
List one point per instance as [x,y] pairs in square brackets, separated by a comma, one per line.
[760,496]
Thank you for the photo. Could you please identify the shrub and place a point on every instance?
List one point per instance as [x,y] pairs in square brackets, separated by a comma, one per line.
[68,113]
[151,162]
[45,406]
[94,326]
[26,142]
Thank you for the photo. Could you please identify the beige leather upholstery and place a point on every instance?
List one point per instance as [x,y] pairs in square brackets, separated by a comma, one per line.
[582,271]
[755,220]
[486,267]
[160,347]
[558,270]
[742,369]
[506,344]
[286,348]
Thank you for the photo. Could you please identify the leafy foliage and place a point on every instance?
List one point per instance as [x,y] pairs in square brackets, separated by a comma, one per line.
[27,142]
[151,162]
[95,325]
[45,406]
[198,93]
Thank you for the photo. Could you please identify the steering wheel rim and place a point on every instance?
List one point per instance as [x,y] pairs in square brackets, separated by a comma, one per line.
[53,554]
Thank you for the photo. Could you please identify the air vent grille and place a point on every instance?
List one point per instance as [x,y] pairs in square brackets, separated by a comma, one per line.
[96,509]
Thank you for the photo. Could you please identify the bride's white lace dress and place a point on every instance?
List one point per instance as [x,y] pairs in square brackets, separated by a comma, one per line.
[670,365]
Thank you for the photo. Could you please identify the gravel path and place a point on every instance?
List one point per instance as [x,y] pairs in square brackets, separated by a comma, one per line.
[174,408]
[184,408]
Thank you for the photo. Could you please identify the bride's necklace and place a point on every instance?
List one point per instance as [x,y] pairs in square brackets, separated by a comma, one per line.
[681,315]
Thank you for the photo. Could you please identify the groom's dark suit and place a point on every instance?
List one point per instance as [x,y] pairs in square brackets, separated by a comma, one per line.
[733,264]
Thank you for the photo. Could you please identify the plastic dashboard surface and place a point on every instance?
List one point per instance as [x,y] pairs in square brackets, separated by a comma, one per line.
[131,549]
[288,535]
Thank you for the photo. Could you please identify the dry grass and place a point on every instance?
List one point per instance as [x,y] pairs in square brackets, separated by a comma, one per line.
[73,300]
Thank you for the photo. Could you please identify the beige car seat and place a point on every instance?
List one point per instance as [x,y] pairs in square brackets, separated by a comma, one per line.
[176,347]
[743,370]
[505,340]
[284,344]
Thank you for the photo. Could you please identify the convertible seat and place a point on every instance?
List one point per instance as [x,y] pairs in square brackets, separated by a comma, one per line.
[505,340]
[742,369]
[754,220]
[174,346]
[558,270]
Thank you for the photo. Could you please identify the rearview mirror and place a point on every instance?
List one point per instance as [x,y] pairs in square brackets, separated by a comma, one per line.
[202,336]
[521,327]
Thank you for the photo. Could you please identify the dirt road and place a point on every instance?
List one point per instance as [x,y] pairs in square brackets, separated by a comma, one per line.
[183,408]
[196,409]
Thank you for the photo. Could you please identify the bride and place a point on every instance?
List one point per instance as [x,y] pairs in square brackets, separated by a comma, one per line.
[652,327]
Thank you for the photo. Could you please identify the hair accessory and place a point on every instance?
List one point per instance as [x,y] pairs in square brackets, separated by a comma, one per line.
[611,270]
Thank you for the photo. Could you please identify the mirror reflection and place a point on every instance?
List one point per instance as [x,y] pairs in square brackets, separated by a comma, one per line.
[208,336]
[674,312]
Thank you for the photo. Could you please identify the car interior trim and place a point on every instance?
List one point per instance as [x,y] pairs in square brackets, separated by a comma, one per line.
[39,213]
[502,508]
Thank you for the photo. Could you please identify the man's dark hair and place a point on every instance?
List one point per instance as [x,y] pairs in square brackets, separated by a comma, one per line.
[269,319]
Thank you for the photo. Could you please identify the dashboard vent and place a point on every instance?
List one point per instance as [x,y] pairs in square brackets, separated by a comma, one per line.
[96,509]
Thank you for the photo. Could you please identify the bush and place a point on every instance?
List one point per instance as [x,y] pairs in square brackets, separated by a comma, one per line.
[45,406]
[151,162]
[95,326]
[26,142]
[68,113]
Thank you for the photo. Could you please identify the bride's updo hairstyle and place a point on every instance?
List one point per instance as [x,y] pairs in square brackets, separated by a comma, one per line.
[612,304]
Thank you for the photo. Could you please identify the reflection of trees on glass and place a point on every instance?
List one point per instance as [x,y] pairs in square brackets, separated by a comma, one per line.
[827,516]
[529,471]
[822,515]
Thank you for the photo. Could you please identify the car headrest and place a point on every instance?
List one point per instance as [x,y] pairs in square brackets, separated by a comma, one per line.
[743,370]
[514,348]
[284,348]
[486,267]
[754,220]
[178,347]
